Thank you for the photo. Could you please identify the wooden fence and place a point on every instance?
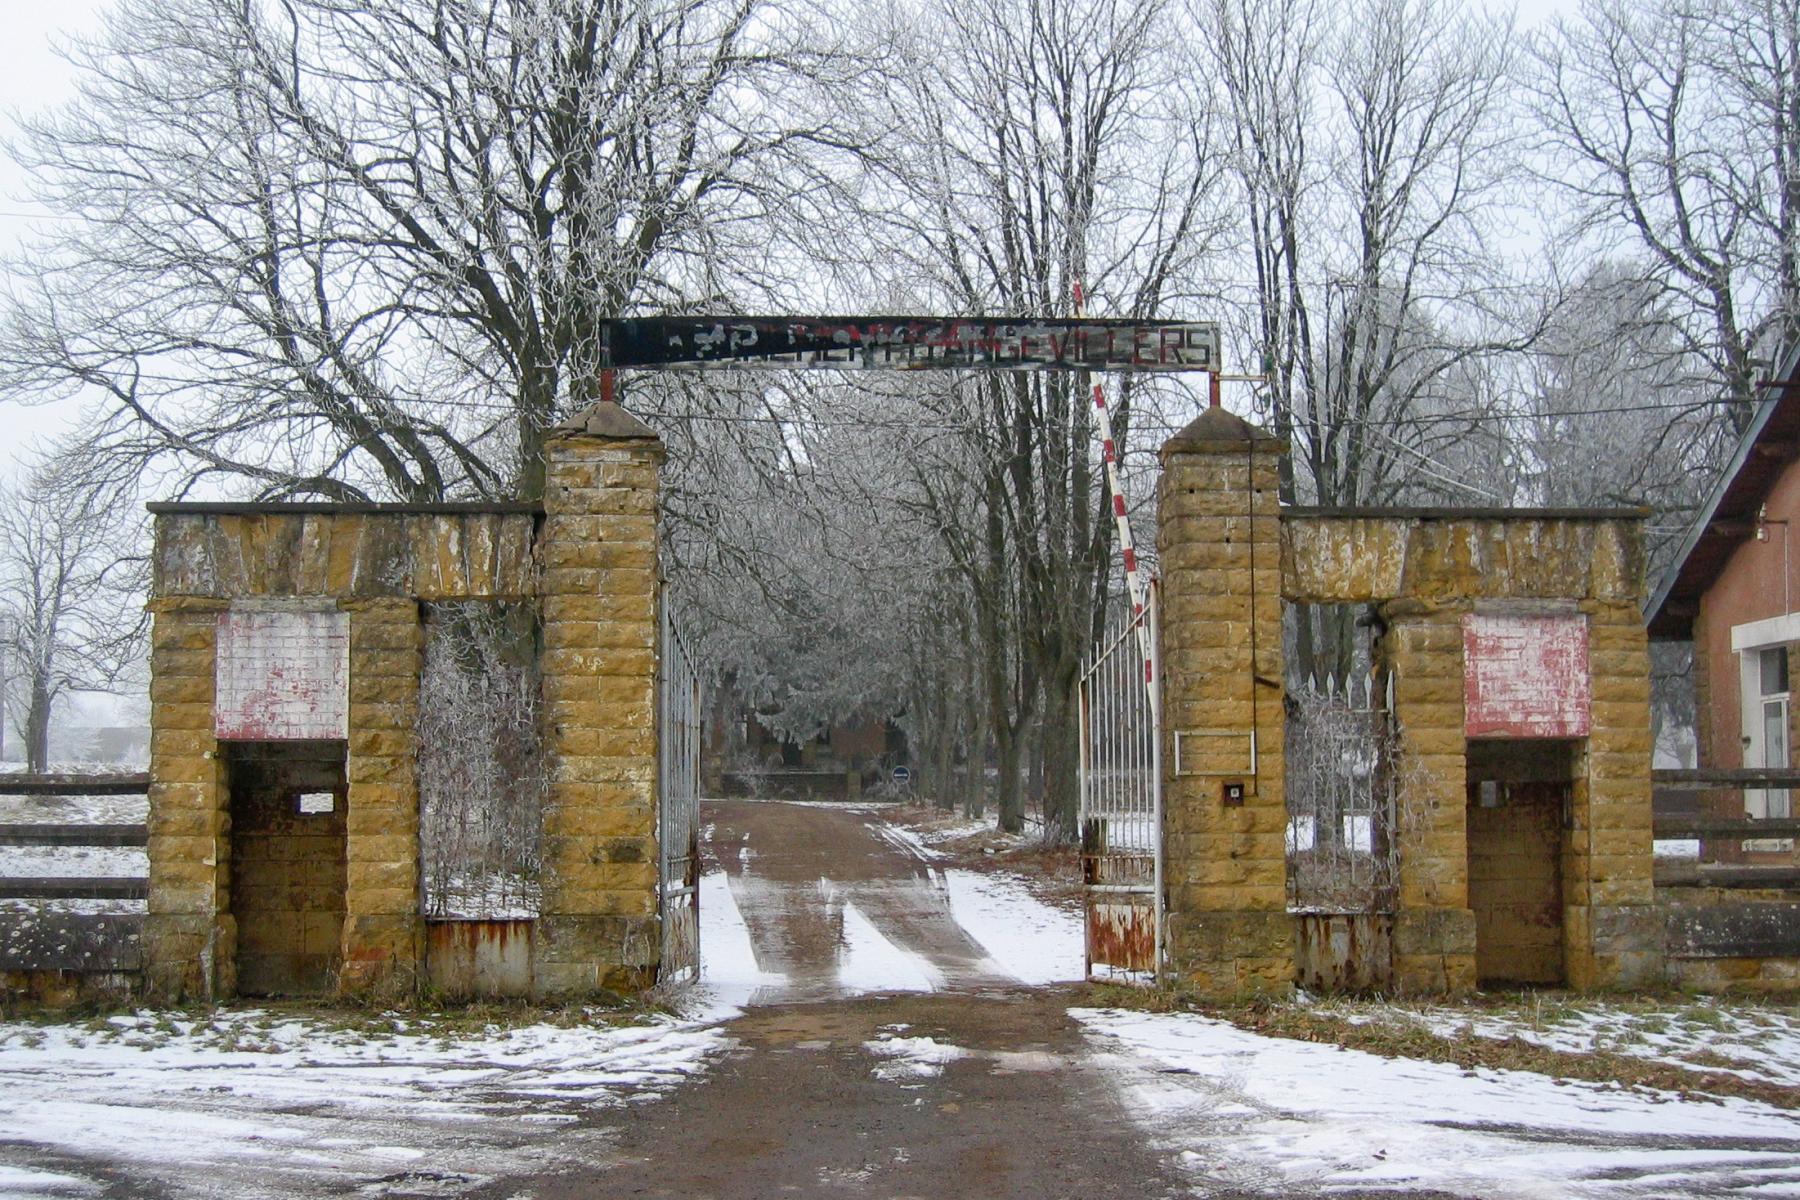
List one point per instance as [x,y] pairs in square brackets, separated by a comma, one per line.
[1683,804]
[37,938]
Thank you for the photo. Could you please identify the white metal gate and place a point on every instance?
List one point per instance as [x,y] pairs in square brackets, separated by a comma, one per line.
[1118,699]
[678,806]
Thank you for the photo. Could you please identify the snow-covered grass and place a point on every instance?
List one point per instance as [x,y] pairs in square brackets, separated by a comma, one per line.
[71,861]
[73,810]
[1245,1111]
[254,1102]
[955,829]
[1759,1041]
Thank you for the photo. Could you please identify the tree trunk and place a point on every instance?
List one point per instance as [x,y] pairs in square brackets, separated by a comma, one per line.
[1061,755]
[1007,745]
[37,728]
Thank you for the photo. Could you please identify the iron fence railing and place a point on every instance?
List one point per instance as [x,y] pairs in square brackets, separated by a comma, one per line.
[1120,810]
[1342,855]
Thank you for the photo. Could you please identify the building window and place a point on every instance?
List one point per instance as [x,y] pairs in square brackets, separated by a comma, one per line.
[1766,730]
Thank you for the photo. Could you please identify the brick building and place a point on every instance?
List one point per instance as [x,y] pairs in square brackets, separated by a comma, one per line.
[1732,592]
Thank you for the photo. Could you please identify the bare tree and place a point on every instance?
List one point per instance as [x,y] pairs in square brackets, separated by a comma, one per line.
[361,250]
[1059,146]
[1370,146]
[72,575]
[1674,130]
[482,771]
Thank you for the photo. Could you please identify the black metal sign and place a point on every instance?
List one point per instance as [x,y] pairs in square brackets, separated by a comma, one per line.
[913,343]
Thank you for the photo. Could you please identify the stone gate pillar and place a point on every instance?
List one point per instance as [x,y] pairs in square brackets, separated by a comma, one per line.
[598,923]
[189,935]
[1612,928]
[383,935]
[1219,542]
[1434,928]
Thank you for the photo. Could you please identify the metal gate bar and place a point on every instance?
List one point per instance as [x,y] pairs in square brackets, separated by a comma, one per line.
[1121,802]
[678,806]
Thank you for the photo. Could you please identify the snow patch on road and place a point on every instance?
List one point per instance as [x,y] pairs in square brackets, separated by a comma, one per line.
[1253,1112]
[910,1059]
[872,963]
[1034,942]
[730,977]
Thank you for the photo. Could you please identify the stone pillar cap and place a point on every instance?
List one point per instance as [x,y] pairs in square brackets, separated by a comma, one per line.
[605,419]
[1216,429]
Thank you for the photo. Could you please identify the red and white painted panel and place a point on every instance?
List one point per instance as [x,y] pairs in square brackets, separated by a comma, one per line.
[282,675]
[1526,676]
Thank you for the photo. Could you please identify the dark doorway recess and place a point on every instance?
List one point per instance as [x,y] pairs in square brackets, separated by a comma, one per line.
[288,865]
[1519,800]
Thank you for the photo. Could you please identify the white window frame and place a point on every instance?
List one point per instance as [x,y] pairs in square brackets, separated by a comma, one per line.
[1751,641]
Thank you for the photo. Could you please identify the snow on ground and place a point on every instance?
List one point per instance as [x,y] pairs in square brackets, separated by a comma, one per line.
[909,1060]
[1035,942]
[1253,1112]
[1757,1041]
[248,1103]
[906,841]
[74,810]
[957,829]
[729,974]
[869,961]
[68,861]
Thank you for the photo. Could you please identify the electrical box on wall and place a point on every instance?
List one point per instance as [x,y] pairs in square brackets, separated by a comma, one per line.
[1233,792]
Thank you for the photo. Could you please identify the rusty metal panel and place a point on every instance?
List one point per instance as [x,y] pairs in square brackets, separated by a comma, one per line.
[1344,952]
[914,343]
[282,675]
[1121,933]
[479,958]
[1526,676]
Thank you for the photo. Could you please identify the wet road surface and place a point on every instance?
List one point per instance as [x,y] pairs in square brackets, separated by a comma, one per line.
[831,1093]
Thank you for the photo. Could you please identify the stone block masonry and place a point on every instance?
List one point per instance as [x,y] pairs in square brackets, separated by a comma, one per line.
[190,938]
[587,557]
[599,926]
[1231,556]
[1219,539]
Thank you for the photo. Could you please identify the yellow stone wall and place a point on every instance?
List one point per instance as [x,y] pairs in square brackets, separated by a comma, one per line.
[1434,928]
[589,555]
[383,931]
[1424,574]
[1229,558]
[439,552]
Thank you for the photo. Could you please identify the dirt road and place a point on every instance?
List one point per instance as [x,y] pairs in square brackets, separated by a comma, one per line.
[980,1089]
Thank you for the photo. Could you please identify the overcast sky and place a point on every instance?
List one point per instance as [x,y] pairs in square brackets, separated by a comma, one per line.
[32,77]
